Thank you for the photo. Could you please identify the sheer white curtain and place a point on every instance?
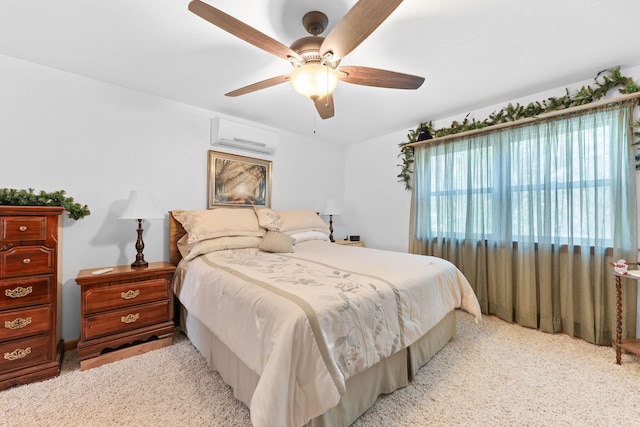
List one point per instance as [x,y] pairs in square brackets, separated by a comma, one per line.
[533,215]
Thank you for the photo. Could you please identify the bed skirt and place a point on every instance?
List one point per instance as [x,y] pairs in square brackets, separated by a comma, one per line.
[362,390]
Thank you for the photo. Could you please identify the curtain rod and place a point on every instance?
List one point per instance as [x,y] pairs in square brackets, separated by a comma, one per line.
[570,110]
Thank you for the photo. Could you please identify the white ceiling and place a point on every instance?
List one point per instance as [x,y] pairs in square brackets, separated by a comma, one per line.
[473,53]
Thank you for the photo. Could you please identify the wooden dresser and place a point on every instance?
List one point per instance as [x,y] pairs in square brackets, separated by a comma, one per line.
[30,294]
[124,312]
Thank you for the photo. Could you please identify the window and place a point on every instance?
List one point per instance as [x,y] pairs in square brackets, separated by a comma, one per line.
[550,182]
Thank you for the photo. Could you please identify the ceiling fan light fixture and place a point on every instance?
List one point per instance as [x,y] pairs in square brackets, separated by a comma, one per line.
[314,80]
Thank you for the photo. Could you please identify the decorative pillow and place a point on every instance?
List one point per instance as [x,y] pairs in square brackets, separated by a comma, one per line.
[301,220]
[309,235]
[190,251]
[276,241]
[209,224]
[268,218]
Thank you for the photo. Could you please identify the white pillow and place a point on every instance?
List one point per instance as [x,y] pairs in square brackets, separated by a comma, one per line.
[309,235]
[212,223]
[301,220]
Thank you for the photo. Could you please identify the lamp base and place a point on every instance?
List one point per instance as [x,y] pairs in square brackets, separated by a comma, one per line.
[331,228]
[139,263]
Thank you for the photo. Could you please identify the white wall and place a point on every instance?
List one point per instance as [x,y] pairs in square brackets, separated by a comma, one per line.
[98,141]
[377,205]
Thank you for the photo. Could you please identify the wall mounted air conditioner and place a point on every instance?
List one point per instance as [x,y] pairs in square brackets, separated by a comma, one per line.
[227,133]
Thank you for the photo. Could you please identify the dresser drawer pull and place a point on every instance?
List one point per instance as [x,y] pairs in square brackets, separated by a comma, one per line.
[130,318]
[18,292]
[17,354]
[130,294]
[23,228]
[26,260]
[19,323]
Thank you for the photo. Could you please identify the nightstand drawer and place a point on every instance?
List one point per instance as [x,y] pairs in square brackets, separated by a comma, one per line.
[23,353]
[118,296]
[23,228]
[26,261]
[26,291]
[124,320]
[23,323]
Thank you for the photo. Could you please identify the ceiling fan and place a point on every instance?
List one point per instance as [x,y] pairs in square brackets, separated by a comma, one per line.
[315,59]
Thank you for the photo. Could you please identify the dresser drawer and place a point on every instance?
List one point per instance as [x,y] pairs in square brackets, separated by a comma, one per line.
[22,228]
[25,291]
[117,321]
[23,353]
[25,322]
[96,300]
[26,261]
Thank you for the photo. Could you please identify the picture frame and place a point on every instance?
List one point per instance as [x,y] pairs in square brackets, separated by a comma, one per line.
[240,181]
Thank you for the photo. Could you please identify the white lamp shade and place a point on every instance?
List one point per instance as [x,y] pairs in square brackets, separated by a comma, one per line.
[331,208]
[141,206]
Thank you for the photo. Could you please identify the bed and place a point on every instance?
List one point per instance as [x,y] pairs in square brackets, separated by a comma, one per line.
[305,331]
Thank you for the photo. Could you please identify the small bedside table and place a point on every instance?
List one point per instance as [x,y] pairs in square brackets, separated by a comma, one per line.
[124,312]
[359,243]
[632,345]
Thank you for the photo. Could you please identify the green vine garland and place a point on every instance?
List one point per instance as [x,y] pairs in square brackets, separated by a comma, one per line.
[611,78]
[13,197]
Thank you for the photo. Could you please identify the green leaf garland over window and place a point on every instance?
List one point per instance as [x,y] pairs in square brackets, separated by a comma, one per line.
[604,82]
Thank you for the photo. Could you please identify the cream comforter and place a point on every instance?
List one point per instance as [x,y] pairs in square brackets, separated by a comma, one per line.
[307,321]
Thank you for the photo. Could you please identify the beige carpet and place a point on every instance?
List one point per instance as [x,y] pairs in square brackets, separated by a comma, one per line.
[490,374]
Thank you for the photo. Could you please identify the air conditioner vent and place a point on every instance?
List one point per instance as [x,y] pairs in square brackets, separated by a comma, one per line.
[227,133]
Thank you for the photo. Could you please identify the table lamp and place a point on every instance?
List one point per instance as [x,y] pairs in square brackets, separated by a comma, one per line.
[140,206]
[331,208]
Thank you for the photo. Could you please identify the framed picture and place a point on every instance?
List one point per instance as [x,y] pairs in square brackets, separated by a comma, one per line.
[238,181]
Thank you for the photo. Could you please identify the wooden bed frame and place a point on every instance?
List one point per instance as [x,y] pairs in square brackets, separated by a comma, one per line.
[362,390]
[176,231]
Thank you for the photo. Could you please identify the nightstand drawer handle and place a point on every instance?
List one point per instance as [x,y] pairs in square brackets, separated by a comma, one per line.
[17,354]
[18,323]
[18,292]
[130,294]
[26,260]
[130,318]
[23,228]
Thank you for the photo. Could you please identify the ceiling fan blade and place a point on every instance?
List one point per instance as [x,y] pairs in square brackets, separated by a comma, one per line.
[361,20]
[325,106]
[241,30]
[259,85]
[379,78]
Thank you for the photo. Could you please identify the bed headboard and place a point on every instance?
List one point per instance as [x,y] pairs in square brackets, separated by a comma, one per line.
[176,231]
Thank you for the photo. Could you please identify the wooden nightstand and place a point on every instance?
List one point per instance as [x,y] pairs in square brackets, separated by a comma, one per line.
[359,243]
[124,312]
